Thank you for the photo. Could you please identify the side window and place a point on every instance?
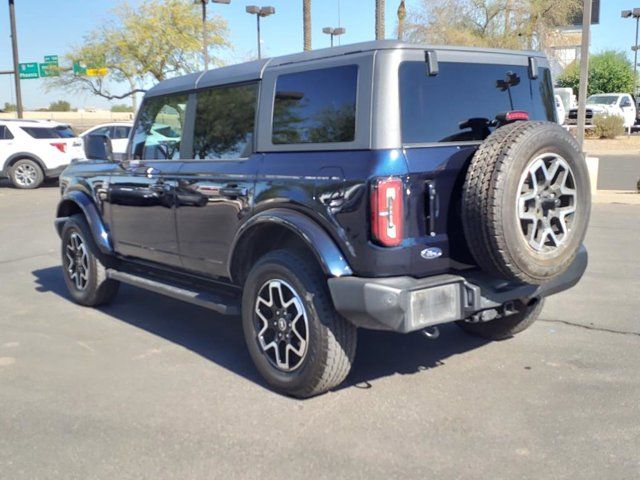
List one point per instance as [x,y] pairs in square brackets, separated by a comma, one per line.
[316,106]
[224,124]
[102,131]
[158,132]
[625,102]
[5,134]
[121,132]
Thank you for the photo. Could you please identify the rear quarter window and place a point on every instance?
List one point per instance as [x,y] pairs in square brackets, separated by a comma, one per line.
[49,132]
[436,108]
[316,106]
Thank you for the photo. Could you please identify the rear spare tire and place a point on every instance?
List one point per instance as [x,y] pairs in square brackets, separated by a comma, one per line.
[526,202]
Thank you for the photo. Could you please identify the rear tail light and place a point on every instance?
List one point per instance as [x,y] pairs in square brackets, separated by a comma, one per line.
[60,146]
[387,211]
[514,115]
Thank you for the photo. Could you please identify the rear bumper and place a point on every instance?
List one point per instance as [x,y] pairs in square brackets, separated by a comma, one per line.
[405,304]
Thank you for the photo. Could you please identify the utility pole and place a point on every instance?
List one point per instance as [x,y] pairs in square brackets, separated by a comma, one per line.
[584,70]
[380,5]
[306,21]
[16,61]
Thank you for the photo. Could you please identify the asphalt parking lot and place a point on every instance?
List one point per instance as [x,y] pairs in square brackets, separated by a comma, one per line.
[618,172]
[149,387]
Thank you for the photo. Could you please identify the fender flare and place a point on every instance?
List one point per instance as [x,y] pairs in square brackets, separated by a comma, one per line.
[331,259]
[98,230]
[19,155]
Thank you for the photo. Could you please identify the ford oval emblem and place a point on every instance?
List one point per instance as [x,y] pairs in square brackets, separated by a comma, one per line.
[431,253]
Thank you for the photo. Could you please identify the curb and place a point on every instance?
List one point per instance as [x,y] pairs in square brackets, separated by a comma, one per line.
[626,197]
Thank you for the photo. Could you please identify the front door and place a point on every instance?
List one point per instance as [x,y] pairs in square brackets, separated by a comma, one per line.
[142,193]
[214,194]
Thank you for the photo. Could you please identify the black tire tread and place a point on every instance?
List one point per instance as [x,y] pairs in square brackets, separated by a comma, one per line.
[338,347]
[482,204]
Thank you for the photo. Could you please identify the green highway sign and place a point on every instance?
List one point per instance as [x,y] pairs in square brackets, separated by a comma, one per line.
[51,59]
[49,70]
[28,70]
[79,68]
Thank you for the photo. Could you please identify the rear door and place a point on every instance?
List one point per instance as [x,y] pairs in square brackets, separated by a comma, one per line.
[142,192]
[215,186]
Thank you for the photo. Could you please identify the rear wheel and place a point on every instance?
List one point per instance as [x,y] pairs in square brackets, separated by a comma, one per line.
[26,174]
[84,274]
[298,342]
[505,327]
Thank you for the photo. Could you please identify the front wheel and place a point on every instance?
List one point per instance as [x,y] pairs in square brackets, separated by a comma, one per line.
[84,274]
[298,342]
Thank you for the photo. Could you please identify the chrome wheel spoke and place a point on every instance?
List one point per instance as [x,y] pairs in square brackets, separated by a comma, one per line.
[76,260]
[546,203]
[281,325]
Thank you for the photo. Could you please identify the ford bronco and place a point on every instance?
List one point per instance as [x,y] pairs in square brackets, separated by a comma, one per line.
[321,192]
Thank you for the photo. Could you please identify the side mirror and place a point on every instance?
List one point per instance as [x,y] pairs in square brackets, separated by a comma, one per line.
[98,147]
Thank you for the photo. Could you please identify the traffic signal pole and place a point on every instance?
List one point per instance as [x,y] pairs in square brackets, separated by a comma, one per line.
[14,45]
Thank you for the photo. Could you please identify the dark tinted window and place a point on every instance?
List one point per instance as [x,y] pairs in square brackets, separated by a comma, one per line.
[102,131]
[49,132]
[456,104]
[159,129]
[317,106]
[225,118]
[121,132]
[5,134]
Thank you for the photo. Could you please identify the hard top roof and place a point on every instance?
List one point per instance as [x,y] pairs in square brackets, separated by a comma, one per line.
[245,72]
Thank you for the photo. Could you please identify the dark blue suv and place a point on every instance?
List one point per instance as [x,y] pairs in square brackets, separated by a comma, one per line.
[379,185]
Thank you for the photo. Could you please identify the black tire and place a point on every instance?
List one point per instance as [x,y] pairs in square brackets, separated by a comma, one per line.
[93,288]
[493,226]
[26,174]
[331,340]
[505,327]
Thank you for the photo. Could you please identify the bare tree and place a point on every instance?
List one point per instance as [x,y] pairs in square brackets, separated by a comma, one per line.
[306,20]
[489,23]
[380,19]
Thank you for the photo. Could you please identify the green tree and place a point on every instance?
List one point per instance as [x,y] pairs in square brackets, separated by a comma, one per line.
[9,107]
[150,42]
[121,108]
[513,24]
[609,72]
[60,106]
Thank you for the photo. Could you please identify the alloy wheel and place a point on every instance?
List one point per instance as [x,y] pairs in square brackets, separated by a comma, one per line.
[546,203]
[25,175]
[281,325]
[77,261]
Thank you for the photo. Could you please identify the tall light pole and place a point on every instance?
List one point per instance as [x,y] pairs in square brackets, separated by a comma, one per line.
[635,13]
[380,6]
[205,40]
[14,46]
[334,32]
[306,24]
[260,12]
[584,70]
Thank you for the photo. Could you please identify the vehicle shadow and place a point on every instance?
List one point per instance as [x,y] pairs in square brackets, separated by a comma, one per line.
[220,339]
[48,183]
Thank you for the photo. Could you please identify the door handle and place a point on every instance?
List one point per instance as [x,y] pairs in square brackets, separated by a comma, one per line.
[152,172]
[234,191]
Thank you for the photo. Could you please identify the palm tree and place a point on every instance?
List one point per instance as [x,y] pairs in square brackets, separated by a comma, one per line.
[379,19]
[306,21]
[402,15]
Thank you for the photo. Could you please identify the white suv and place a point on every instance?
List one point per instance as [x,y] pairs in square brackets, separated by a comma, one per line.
[32,150]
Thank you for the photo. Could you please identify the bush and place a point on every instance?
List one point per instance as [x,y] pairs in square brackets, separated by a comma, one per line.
[608,126]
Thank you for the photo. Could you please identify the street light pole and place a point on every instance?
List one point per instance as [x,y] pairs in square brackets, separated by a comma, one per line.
[334,32]
[635,13]
[584,70]
[16,61]
[260,12]
[205,39]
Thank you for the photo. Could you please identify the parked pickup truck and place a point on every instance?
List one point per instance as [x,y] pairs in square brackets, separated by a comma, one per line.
[326,191]
[620,104]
